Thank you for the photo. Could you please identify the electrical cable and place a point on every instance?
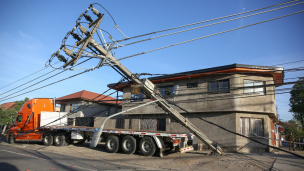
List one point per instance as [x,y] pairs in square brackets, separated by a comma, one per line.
[48,84]
[84,106]
[27,76]
[28,82]
[297,155]
[210,24]
[211,35]
[207,20]
[107,12]
[41,81]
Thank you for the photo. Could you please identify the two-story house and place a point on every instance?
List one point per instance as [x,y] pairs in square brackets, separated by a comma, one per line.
[218,95]
[88,105]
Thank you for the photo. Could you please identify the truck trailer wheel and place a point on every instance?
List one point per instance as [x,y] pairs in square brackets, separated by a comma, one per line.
[59,139]
[128,144]
[112,144]
[147,146]
[11,138]
[48,139]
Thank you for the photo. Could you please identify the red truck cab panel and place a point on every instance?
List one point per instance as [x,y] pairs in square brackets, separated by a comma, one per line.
[26,126]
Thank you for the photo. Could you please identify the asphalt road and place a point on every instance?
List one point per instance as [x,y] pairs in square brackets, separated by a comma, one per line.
[14,158]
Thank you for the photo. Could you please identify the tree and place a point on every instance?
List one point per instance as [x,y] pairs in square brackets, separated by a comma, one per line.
[296,132]
[297,101]
[6,115]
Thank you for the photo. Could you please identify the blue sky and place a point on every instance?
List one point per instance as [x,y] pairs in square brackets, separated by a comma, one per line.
[33,30]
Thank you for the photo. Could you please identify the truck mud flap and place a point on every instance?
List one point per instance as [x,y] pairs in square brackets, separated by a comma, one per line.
[159,141]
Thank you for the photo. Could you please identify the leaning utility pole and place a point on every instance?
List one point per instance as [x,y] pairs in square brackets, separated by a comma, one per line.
[104,54]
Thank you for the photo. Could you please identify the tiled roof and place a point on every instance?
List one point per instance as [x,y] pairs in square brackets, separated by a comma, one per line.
[9,105]
[89,96]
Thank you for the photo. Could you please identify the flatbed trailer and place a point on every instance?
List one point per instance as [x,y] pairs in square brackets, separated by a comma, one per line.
[146,141]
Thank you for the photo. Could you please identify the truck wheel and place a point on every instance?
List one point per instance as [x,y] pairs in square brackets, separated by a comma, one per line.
[11,138]
[48,139]
[112,144]
[147,146]
[59,139]
[128,144]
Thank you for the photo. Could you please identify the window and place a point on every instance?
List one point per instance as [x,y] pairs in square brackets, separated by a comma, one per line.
[107,112]
[258,90]
[63,108]
[74,106]
[251,127]
[168,90]
[19,118]
[137,97]
[191,85]
[219,85]
[66,108]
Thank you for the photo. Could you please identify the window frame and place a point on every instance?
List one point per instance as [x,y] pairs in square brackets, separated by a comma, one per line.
[251,133]
[219,87]
[173,89]
[137,98]
[192,85]
[254,89]
[18,117]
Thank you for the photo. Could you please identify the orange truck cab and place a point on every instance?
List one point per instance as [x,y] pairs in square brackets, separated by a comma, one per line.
[27,124]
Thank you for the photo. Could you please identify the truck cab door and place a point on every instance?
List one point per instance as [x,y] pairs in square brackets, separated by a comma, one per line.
[29,123]
[18,125]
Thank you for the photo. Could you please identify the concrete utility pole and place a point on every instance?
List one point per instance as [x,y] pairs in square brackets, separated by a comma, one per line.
[146,85]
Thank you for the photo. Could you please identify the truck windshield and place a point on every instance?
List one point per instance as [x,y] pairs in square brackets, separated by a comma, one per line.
[19,118]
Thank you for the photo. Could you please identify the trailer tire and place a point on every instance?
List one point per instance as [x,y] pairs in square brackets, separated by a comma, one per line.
[59,139]
[147,146]
[112,144]
[128,144]
[48,139]
[11,138]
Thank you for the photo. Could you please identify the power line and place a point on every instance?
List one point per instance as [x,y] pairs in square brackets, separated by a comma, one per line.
[48,84]
[207,20]
[288,63]
[211,24]
[28,82]
[27,76]
[210,35]
[41,81]
[85,106]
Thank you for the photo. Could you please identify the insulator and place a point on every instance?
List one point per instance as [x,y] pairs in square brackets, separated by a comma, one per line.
[87,10]
[61,58]
[87,17]
[74,29]
[76,36]
[68,52]
[58,51]
[96,12]
[83,30]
